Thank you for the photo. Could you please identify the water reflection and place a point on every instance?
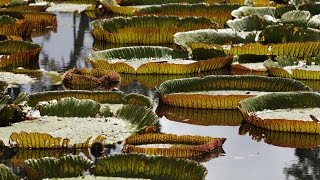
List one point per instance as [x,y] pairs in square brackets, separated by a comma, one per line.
[307,166]
[69,46]
[282,139]
[203,117]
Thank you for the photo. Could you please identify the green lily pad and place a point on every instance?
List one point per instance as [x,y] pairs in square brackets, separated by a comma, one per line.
[34,20]
[144,29]
[291,112]
[110,97]
[121,165]
[185,146]
[296,17]
[296,70]
[151,167]
[222,92]
[18,53]
[217,13]
[152,60]
[288,33]
[126,120]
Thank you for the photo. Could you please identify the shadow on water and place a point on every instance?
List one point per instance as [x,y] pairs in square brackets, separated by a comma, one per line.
[244,159]
[307,166]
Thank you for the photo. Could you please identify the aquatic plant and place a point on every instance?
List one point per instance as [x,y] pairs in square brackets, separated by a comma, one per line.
[185,146]
[152,60]
[18,53]
[153,167]
[137,29]
[88,79]
[67,166]
[6,173]
[290,112]
[204,92]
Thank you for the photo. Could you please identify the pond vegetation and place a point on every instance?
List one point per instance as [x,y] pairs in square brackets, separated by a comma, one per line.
[199,64]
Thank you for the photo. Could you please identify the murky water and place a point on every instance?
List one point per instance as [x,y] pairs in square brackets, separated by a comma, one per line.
[255,156]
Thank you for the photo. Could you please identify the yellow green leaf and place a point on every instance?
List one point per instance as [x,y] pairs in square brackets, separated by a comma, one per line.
[144,29]
[294,111]
[211,92]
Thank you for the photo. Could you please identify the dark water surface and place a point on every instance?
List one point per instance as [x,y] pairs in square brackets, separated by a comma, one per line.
[244,158]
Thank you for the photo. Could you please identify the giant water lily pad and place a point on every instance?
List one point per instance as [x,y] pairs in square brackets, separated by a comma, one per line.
[159,2]
[298,71]
[127,120]
[12,26]
[37,7]
[110,97]
[281,139]
[17,156]
[67,166]
[212,36]
[217,13]
[186,146]
[313,84]
[121,165]
[145,29]
[152,60]
[203,117]
[18,53]
[38,19]
[291,112]
[221,92]
[294,49]
[154,80]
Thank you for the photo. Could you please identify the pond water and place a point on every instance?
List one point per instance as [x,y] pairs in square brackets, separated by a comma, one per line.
[245,157]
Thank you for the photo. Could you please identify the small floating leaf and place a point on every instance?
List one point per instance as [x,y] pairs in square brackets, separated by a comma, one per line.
[89,79]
